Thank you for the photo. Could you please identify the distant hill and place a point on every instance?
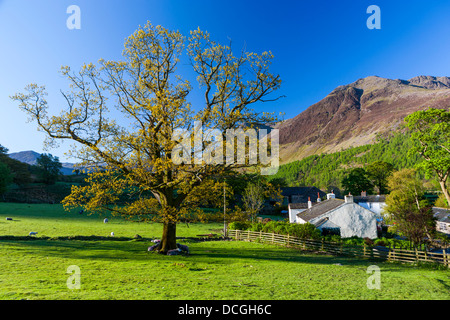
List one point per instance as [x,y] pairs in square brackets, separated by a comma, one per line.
[356,114]
[30,157]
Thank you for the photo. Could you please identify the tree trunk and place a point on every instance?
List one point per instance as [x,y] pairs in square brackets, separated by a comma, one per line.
[169,237]
[445,191]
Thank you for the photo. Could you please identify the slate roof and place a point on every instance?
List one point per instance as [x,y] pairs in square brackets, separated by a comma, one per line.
[326,223]
[320,208]
[303,205]
[441,214]
[371,198]
[302,192]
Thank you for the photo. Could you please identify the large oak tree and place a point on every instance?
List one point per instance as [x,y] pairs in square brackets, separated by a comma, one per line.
[135,160]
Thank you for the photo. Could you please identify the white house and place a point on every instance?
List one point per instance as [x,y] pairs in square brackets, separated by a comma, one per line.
[374,203]
[347,216]
[296,208]
[442,216]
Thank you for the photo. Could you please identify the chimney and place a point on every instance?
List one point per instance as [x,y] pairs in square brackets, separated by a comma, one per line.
[363,194]
[318,198]
[349,198]
[331,195]
[309,202]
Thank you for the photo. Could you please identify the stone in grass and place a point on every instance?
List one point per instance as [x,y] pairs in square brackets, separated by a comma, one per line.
[181,249]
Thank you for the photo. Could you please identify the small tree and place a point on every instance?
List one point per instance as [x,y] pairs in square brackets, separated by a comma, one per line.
[49,168]
[407,209]
[253,199]
[357,181]
[378,172]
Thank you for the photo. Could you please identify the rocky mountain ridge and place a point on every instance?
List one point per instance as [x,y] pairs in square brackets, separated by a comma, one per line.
[355,114]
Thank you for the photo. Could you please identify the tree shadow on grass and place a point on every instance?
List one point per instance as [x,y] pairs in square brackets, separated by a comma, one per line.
[278,253]
[226,252]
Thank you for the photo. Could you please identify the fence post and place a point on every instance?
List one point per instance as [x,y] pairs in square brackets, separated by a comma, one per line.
[288,240]
[417,255]
[273,237]
[444,258]
[364,250]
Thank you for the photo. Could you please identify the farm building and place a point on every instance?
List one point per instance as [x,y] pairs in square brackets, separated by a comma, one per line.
[442,216]
[295,208]
[347,216]
[374,203]
[291,195]
[300,194]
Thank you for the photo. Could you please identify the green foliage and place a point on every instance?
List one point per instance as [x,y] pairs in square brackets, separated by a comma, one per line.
[239,225]
[19,171]
[5,177]
[441,202]
[431,134]
[328,170]
[357,181]
[378,172]
[49,168]
[396,243]
[253,199]
[407,208]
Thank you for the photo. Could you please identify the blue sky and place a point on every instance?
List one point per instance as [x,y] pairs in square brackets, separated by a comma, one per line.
[318,45]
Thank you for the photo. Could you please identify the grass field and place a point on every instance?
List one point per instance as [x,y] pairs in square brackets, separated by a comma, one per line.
[36,269]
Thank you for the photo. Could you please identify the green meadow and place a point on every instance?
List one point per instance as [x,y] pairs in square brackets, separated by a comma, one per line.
[120,267]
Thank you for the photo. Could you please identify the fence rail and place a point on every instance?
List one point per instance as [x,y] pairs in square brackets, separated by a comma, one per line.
[363,251]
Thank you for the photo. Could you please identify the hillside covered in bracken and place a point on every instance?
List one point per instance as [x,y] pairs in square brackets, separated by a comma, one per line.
[356,114]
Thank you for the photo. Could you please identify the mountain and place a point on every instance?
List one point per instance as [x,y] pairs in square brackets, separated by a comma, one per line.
[355,114]
[30,157]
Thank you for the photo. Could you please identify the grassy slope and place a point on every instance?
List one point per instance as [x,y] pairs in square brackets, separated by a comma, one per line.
[215,270]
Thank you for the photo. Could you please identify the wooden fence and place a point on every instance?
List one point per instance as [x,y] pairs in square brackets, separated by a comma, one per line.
[362,251]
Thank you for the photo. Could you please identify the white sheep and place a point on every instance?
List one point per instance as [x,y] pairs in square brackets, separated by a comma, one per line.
[105,220]
[112,234]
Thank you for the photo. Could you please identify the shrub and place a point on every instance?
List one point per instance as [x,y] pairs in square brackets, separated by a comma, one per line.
[257,227]
[331,231]
[368,241]
[353,241]
[239,225]
[332,238]
[304,231]
[381,242]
